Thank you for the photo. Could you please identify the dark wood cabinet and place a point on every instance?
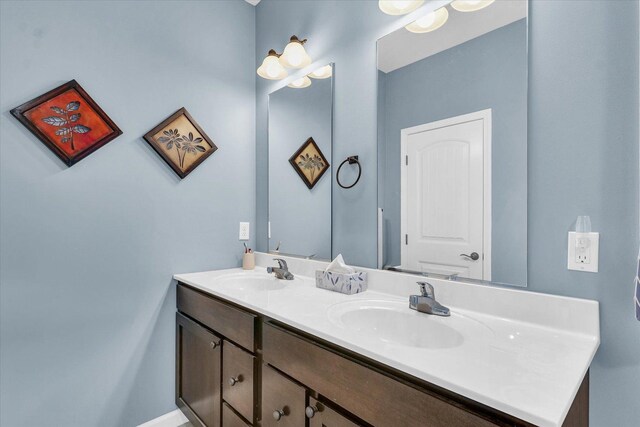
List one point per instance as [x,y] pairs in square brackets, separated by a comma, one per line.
[283,401]
[321,415]
[236,368]
[198,364]
[237,380]
[231,419]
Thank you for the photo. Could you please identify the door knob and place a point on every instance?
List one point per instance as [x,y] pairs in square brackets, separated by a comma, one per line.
[310,411]
[474,256]
[234,380]
[213,344]
[278,414]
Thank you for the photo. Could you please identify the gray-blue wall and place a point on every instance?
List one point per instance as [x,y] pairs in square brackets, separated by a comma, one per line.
[300,217]
[87,252]
[583,124]
[489,71]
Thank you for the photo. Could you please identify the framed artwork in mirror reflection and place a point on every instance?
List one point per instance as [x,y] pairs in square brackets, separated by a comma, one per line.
[309,163]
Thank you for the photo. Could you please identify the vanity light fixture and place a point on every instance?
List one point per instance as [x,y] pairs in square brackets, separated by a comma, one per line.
[271,68]
[399,7]
[294,55]
[300,83]
[470,5]
[430,22]
[322,72]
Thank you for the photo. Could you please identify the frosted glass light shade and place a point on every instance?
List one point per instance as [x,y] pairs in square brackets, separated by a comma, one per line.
[271,68]
[430,22]
[294,55]
[300,83]
[399,7]
[322,72]
[470,5]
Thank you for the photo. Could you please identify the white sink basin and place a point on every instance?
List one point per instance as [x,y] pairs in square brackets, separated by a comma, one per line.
[251,282]
[394,322]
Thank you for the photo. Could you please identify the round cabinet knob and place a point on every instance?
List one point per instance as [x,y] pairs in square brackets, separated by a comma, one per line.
[213,344]
[278,414]
[310,411]
[234,380]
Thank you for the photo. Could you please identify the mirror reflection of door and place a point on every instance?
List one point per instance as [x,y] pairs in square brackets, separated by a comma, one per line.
[459,204]
[446,196]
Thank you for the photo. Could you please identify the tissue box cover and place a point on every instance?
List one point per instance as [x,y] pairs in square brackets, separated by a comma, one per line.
[349,284]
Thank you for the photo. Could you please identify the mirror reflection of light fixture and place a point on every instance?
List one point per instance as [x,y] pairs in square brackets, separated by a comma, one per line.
[300,83]
[470,5]
[399,7]
[294,55]
[271,68]
[322,72]
[430,22]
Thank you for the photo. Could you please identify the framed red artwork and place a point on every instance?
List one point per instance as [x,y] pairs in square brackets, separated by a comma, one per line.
[67,121]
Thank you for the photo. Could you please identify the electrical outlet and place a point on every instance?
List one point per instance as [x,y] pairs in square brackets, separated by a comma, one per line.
[583,251]
[244,231]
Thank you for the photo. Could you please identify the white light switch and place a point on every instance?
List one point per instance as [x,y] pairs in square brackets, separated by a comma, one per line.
[583,251]
[244,231]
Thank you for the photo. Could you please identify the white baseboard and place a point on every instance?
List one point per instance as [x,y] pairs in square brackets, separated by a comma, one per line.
[172,419]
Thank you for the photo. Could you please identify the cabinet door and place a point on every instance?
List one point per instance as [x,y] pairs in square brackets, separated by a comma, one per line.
[321,415]
[198,372]
[283,401]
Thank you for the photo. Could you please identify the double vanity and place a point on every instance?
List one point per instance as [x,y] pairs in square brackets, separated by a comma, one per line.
[252,349]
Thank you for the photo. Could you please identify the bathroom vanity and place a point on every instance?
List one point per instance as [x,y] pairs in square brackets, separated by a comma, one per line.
[255,350]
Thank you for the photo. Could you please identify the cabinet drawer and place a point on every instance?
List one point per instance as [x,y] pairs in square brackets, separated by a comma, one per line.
[283,401]
[233,323]
[237,379]
[231,419]
[372,396]
[320,415]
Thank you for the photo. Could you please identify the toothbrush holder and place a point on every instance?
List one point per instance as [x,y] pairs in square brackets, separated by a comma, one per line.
[249,261]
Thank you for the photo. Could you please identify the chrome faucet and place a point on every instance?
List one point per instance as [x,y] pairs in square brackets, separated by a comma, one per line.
[282,271]
[426,302]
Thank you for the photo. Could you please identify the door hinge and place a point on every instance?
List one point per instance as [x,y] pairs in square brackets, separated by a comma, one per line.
[406,239]
[406,160]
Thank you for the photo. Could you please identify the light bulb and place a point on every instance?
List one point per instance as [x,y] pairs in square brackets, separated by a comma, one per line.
[470,5]
[300,83]
[399,7]
[322,72]
[271,68]
[429,22]
[294,55]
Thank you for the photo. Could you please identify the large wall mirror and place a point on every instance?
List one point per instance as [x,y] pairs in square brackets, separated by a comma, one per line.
[452,144]
[300,153]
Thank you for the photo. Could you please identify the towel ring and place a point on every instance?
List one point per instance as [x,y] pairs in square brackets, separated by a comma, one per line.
[352,160]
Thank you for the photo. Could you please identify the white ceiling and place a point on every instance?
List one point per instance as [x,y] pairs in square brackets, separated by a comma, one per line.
[402,47]
[253,2]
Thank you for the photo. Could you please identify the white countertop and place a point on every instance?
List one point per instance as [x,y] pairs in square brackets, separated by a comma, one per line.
[524,369]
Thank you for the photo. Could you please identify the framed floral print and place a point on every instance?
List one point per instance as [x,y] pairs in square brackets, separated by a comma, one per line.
[309,163]
[181,142]
[68,121]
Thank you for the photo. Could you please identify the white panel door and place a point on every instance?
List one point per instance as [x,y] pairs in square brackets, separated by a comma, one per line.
[443,203]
